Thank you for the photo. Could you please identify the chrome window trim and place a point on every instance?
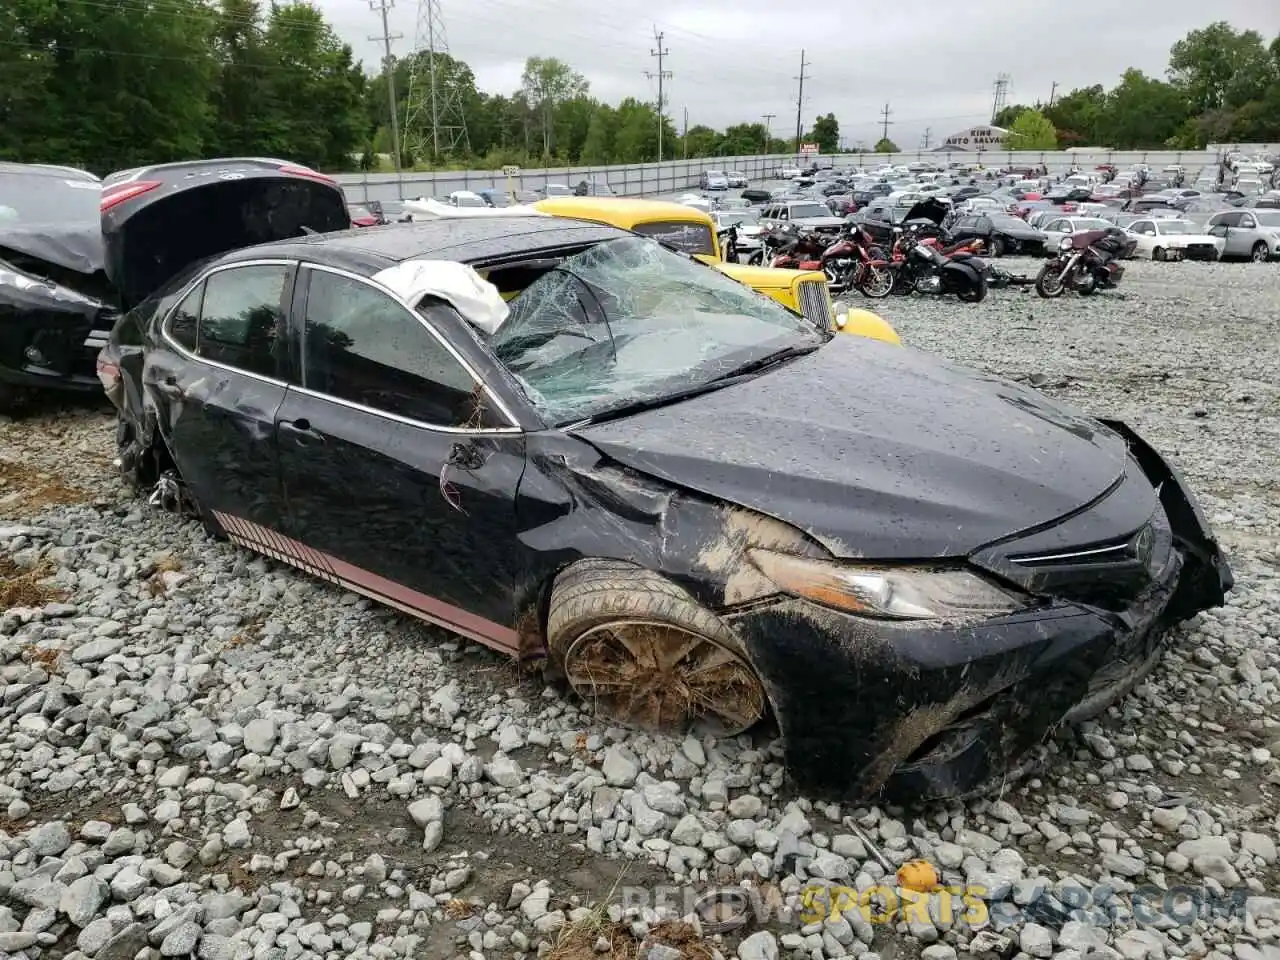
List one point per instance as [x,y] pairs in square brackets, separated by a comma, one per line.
[397,418]
[439,338]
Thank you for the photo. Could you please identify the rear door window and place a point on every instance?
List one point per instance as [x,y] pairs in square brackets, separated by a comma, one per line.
[242,317]
[184,324]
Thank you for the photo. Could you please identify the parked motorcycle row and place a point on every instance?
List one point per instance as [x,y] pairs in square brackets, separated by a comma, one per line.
[917,257]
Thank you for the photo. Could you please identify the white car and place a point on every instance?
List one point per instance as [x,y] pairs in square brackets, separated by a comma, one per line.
[737,179]
[1067,226]
[465,198]
[1169,239]
[714,180]
[788,173]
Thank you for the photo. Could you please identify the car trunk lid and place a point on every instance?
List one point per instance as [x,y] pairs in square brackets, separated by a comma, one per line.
[158,220]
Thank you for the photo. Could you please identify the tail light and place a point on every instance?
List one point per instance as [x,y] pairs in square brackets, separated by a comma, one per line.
[307,172]
[116,195]
[108,373]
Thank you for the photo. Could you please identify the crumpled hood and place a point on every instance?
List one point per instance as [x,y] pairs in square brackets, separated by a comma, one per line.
[877,451]
[77,247]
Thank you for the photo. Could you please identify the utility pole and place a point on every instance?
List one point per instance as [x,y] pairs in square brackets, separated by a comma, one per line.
[1053,93]
[660,53]
[800,100]
[685,136]
[884,119]
[924,141]
[389,64]
[768,133]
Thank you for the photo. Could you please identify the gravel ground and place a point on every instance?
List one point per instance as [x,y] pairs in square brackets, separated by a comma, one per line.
[205,754]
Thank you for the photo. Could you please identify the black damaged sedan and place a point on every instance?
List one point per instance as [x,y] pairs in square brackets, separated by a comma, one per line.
[566,441]
[56,305]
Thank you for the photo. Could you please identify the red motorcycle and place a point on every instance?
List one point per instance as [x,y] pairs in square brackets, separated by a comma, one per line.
[855,261]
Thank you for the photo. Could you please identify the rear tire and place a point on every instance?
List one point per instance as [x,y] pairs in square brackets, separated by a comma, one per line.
[638,649]
[997,247]
[1157,254]
[1260,253]
[974,293]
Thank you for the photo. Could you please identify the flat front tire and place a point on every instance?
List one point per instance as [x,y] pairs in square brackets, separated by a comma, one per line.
[639,650]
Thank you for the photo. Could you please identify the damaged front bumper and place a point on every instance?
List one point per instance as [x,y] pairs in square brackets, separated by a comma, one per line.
[53,345]
[916,711]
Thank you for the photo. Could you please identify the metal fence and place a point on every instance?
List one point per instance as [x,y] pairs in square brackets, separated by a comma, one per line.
[657,179]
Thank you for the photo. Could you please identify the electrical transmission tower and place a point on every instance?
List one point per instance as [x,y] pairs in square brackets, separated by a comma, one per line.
[434,121]
[1001,97]
[662,75]
[924,139]
[389,65]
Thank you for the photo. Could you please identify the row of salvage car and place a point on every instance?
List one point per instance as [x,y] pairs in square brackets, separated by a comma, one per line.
[576,443]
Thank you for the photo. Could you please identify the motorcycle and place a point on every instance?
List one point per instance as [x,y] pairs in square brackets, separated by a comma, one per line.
[925,269]
[772,244]
[1086,262]
[854,261]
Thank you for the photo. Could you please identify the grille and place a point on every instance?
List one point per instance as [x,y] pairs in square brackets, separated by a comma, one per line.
[812,296]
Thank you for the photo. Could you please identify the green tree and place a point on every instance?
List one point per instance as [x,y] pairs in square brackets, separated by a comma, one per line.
[1007,115]
[105,86]
[241,118]
[1142,112]
[1076,115]
[597,147]
[313,88]
[826,133]
[546,83]
[885,145]
[1216,67]
[745,139]
[1032,130]
[701,141]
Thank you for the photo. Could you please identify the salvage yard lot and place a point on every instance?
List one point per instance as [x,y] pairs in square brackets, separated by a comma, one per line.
[248,726]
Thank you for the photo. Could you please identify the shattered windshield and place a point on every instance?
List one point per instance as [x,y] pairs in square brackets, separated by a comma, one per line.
[36,198]
[628,322]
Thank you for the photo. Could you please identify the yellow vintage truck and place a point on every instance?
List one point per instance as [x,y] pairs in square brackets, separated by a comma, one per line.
[693,231]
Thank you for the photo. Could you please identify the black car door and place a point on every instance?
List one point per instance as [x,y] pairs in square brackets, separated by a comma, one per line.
[217,382]
[399,469]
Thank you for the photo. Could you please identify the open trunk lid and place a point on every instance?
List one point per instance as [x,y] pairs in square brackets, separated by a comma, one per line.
[158,220]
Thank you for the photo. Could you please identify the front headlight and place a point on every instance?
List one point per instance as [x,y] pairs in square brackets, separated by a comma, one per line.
[1064,243]
[889,593]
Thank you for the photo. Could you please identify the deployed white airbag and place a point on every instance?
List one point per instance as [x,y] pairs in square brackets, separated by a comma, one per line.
[475,298]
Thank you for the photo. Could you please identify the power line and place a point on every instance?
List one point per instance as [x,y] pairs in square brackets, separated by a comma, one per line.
[661,52]
[885,121]
[389,65]
[800,99]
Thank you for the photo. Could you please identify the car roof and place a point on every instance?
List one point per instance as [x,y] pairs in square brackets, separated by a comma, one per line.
[49,170]
[467,240]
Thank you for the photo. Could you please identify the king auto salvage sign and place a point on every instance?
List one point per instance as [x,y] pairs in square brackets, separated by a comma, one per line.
[977,138]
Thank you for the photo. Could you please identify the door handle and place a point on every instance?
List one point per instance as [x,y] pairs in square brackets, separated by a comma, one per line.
[300,430]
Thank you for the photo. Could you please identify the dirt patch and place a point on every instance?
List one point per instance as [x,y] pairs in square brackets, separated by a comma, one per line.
[21,587]
[578,942]
[26,490]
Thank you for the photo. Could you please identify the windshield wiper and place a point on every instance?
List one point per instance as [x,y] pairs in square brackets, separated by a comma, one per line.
[768,360]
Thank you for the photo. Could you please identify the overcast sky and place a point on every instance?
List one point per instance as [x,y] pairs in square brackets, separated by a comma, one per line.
[733,61]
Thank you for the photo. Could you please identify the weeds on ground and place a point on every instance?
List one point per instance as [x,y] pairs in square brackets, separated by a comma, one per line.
[21,586]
